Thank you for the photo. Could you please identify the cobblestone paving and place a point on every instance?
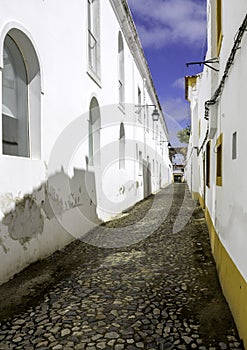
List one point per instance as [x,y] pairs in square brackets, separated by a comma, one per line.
[161,292]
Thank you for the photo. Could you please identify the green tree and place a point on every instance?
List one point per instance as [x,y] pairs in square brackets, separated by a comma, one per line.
[184,134]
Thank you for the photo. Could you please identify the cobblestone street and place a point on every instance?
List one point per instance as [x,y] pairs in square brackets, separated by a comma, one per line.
[153,286]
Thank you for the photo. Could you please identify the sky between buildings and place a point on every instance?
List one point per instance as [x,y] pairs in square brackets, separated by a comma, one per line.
[172,33]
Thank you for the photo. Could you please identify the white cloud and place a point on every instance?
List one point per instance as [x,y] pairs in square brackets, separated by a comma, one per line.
[162,22]
[179,83]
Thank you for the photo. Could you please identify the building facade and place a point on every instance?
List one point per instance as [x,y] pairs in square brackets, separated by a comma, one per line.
[216,155]
[79,144]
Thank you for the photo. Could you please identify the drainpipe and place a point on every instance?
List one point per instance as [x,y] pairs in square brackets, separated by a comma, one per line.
[204,141]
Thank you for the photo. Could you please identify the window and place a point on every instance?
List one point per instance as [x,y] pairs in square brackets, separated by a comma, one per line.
[208,164]
[147,116]
[219,160]
[139,97]
[140,163]
[219,24]
[234,145]
[15,101]
[121,147]
[121,73]
[94,37]
[148,163]
[94,132]
[21,97]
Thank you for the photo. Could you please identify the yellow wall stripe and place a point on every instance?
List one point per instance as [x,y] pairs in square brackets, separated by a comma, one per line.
[232,282]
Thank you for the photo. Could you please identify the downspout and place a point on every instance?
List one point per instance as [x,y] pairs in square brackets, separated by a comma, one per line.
[203,143]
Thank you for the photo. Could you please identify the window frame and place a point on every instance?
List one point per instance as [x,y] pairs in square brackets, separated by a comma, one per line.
[33,69]
[234,146]
[140,163]
[219,160]
[122,147]
[139,103]
[121,71]
[208,163]
[94,126]
[219,35]
[93,32]
[15,125]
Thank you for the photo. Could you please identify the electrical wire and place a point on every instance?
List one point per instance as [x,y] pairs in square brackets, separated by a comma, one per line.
[235,48]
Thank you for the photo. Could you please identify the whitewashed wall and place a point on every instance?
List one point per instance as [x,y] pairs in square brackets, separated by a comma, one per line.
[46,201]
[226,203]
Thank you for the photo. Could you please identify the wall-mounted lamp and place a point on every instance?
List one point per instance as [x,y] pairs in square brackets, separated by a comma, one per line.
[155,114]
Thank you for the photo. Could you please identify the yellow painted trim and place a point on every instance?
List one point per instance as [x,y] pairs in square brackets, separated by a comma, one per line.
[208,164]
[219,142]
[219,25]
[219,180]
[232,282]
[195,196]
[201,201]
[219,44]
[190,81]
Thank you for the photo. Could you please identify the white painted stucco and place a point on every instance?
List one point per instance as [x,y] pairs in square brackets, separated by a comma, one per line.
[227,203]
[55,195]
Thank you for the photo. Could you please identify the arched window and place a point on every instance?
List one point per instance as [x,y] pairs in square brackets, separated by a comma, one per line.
[121,69]
[140,163]
[21,92]
[148,166]
[15,101]
[139,102]
[122,147]
[94,132]
[94,37]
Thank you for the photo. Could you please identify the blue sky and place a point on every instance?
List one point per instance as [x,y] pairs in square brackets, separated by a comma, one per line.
[172,32]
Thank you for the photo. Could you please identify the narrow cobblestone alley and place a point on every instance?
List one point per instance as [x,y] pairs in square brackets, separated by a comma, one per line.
[153,286]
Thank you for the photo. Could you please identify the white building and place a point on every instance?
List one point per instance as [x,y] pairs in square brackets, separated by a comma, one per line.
[216,156]
[75,147]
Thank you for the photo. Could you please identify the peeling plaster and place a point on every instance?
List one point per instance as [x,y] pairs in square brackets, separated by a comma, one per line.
[56,201]
[25,221]
[24,218]
[7,203]
[3,246]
